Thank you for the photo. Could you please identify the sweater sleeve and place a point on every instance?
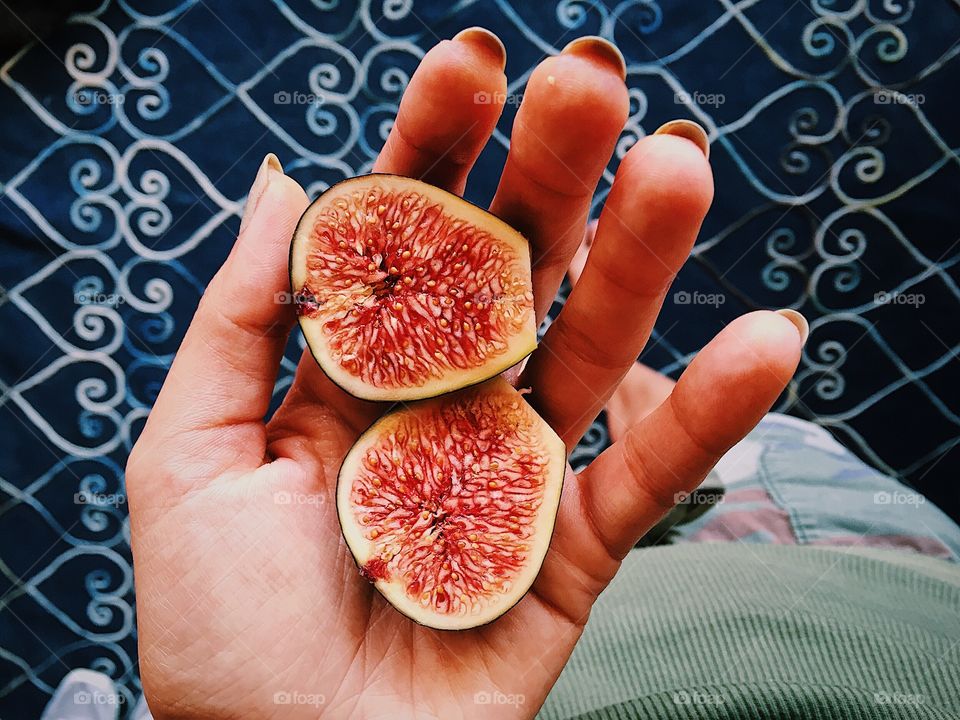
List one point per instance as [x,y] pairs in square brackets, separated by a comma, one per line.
[733,631]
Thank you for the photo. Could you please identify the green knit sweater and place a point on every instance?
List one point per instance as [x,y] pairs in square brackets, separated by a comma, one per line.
[767,631]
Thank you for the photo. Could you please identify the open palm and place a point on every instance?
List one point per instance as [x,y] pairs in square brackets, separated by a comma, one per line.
[249,603]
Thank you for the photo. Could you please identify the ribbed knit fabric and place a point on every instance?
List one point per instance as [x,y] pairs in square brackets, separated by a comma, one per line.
[769,632]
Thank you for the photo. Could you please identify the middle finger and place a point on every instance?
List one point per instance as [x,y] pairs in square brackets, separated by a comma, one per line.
[648,225]
[574,107]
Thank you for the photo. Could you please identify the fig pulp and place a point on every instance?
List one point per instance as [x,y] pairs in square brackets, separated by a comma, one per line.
[448,504]
[405,291]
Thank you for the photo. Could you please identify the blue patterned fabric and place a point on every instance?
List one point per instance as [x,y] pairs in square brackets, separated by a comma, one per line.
[129,139]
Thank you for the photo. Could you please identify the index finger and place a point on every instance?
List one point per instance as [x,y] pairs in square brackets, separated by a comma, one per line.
[448,111]
[446,116]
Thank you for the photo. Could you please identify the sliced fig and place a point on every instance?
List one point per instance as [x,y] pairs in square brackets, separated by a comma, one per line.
[448,504]
[405,291]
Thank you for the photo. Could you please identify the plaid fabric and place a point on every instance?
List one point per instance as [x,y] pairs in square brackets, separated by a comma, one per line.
[791,483]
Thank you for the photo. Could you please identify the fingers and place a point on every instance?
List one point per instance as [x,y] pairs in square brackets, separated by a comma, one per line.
[219,386]
[649,223]
[721,396]
[447,114]
[448,111]
[579,261]
[573,109]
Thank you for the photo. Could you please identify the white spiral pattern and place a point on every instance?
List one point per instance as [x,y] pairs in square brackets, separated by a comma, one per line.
[139,149]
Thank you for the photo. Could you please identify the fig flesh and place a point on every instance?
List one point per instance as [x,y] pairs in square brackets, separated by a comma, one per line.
[405,291]
[448,504]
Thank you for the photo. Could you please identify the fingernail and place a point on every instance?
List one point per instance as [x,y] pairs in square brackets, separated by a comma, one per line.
[268,167]
[483,38]
[687,129]
[803,327]
[598,48]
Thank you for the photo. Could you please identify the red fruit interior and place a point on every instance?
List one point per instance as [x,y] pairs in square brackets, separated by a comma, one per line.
[449,499]
[406,292]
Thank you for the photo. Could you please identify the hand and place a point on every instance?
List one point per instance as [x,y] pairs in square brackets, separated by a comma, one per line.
[252,607]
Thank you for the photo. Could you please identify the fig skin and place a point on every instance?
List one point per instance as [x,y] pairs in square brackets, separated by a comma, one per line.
[518,345]
[390,589]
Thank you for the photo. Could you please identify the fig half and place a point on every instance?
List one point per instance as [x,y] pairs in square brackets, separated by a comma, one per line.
[405,291]
[448,504]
